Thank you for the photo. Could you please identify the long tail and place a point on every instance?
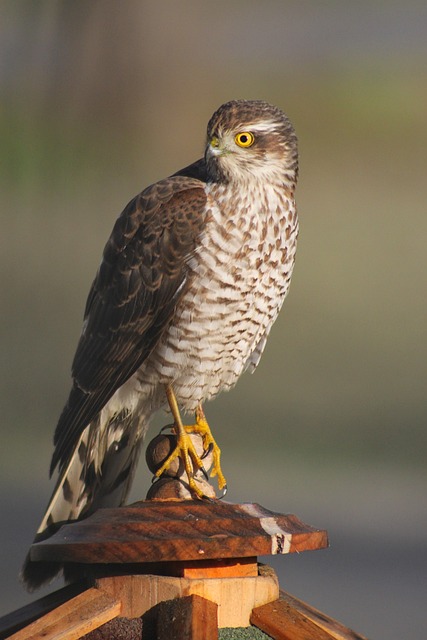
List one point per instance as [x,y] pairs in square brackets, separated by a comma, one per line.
[99,474]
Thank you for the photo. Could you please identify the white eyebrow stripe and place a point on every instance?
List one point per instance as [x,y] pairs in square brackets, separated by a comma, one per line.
[267,125]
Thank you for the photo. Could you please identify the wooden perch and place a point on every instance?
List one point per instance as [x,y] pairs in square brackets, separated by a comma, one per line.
[154,531]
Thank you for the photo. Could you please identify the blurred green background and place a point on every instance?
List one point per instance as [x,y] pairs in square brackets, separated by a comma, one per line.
[100,98]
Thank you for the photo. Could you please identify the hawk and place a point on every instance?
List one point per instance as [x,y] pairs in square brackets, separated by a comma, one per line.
[191,280]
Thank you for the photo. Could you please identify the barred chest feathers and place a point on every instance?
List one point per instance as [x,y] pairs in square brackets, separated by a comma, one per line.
[240,277]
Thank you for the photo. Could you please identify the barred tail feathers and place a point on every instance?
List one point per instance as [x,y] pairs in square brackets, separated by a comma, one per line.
[99,474]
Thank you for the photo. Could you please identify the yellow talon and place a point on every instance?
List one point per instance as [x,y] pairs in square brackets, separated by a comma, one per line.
[209,445]
[186,451]
[185,448]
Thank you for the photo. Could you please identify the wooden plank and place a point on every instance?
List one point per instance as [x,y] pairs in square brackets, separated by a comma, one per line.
[337,630]
[139,593]
[281,621]
[236,597]
[73,619]
[228,568]
[12,622]
[222,568]
[189,618]
[153,531]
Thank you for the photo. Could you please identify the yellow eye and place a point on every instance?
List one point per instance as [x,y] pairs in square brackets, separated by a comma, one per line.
[244,139]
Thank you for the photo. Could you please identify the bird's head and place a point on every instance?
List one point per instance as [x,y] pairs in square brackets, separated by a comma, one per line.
[251,139]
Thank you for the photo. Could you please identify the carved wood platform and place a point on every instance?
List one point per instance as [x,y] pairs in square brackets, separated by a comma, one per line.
[176,569]
[153,531]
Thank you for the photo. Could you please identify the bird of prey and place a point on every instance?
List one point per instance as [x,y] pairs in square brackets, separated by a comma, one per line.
[191,280]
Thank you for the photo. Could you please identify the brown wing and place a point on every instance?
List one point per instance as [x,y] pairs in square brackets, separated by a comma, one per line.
[142,277]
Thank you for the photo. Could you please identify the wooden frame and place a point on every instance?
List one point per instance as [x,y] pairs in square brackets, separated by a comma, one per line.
[176,569]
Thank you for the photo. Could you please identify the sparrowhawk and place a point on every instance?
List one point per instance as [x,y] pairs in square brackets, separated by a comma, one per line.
[191,280]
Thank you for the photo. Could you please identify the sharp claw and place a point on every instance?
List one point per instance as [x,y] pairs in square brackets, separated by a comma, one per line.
[208,451]
[167,426]
[208,499]
[205,473]
[224,493]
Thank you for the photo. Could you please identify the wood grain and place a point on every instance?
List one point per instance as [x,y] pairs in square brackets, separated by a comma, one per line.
[12,622]
[228,568]
[178,530]
[282,621]
[73,619]
[235,597]
[337,630]
[291,619]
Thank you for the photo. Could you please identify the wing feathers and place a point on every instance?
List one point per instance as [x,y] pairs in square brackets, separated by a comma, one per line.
[142,277]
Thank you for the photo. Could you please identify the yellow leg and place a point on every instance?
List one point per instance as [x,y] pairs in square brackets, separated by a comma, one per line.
[185,447]
[209,445]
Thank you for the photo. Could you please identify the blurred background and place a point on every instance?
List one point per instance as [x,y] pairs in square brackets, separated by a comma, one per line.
[100,98]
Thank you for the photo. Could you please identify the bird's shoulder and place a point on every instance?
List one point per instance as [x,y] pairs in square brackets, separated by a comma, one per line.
[142,275]
[152,238]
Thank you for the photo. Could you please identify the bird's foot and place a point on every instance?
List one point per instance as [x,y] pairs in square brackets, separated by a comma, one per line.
[209,446]
[185,450]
